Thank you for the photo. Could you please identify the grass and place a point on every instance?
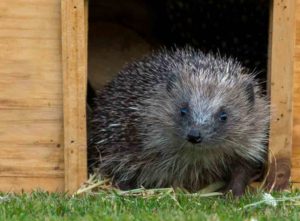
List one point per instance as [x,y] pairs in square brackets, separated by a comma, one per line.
[159,206]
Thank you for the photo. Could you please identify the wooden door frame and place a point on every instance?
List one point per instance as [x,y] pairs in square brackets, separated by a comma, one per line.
[74,61]
[280,87]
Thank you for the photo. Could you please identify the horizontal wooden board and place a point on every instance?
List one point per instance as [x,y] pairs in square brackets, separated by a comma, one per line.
[28,184]
[32,161]
[46,113]
[34,132]
[37,9]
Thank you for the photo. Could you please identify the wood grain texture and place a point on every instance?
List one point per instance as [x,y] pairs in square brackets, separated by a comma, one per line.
[74,53]
[296,103]
[31,112]
[281,70]
[28,184]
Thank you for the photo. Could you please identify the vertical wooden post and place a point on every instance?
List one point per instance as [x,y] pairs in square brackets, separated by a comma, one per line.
[280,81]
[74,58]
[296,106]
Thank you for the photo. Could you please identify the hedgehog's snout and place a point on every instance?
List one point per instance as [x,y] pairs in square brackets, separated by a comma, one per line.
[194,136]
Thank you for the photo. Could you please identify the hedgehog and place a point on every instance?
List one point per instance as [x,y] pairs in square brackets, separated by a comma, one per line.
[180,118]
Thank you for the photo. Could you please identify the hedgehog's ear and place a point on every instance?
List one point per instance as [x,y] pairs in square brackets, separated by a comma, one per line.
[171,82]
[250,92]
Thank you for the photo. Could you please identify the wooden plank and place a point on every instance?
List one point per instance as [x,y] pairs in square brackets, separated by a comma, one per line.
[296,103]
[18,184]
[280,81]
[31,111]
[26,161]
[37,132]
[74,52]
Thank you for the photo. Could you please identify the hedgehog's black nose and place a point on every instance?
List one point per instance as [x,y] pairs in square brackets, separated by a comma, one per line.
[194,136]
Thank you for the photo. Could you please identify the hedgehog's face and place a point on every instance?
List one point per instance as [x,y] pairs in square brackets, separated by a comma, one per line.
[210,114]
[200,126]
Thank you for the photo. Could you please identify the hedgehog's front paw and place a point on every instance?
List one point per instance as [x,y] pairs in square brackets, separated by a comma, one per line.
[124,185]
[237,188]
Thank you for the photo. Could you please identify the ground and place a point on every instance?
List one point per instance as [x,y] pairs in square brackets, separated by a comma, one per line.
[161,206]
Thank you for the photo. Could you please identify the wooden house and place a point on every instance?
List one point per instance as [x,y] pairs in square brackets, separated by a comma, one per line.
[43,75]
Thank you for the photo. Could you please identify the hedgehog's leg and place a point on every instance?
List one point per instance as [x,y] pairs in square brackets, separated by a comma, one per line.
[241,176]
[123,185]
[239,180]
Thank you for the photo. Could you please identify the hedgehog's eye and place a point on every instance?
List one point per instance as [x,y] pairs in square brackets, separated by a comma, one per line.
[184,111]
[223,116]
